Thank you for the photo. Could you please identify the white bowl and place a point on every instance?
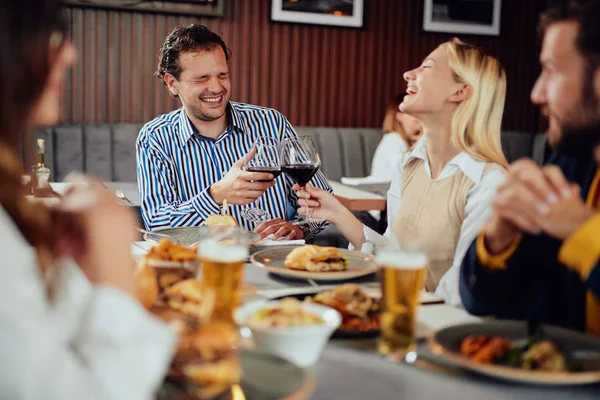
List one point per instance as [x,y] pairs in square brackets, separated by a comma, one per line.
[301,345]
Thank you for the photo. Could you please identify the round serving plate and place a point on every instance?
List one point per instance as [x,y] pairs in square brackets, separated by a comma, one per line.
[446,344]
[273,260]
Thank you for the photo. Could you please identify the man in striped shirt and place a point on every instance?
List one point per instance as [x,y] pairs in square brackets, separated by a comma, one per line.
[192,159]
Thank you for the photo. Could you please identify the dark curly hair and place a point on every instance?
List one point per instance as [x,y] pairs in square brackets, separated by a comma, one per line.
[183,39]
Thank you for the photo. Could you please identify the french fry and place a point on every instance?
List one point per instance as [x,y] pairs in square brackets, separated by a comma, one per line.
[168,251]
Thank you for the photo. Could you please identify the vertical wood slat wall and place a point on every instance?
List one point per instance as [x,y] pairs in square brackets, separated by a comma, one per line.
[315,75]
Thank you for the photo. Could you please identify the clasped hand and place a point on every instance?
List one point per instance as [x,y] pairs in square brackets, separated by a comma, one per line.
[534,199]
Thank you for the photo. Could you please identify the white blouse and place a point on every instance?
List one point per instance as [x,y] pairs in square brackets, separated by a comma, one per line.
[389,152]
[92,342]
[477,211]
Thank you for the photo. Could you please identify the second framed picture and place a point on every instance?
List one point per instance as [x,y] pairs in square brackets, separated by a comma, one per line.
[476,17]
[347,13]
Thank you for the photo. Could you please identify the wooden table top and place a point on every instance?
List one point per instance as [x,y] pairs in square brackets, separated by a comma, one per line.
[356,199]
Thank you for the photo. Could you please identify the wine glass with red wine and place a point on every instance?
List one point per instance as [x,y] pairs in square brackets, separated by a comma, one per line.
[267,160]
[300,161]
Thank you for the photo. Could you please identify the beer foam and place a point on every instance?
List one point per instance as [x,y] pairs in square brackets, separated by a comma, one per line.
[401,259]
[215,251]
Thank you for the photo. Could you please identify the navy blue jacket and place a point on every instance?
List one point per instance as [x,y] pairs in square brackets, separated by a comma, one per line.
[534,284]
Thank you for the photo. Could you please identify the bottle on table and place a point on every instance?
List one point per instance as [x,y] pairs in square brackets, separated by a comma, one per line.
[40,175]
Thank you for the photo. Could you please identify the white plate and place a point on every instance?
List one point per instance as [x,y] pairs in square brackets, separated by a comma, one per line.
[369,289]
[141,248]
[265,376]
[189,235]
[446,343]
[272,259]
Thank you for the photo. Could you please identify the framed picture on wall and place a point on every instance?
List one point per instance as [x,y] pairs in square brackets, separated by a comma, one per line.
[476,17]
[207,8]
[319,12]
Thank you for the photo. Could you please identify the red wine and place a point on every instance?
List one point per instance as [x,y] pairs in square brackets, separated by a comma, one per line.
[300,173]
[271,170]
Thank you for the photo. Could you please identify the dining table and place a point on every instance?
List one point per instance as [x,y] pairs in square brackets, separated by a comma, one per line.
[355,199]
[353,370]
[129,190]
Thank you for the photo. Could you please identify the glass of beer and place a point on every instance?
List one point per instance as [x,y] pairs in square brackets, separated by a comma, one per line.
[223,252]
[403,276]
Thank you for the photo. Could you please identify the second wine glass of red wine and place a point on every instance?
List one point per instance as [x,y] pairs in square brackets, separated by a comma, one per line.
[266,160]
[300,161]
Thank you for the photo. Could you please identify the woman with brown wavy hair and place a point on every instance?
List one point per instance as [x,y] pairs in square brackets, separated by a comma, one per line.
[68,330]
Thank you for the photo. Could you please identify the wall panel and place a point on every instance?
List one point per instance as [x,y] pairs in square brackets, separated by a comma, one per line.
[315,75]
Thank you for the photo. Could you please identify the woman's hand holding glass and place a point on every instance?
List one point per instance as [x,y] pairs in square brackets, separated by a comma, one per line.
[319,204]
[323,205]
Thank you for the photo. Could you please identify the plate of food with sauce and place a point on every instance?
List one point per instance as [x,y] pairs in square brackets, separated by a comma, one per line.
[359,309]
[503,350]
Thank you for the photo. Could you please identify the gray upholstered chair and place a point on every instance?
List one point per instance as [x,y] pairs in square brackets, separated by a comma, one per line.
[108,152]
[102,150]
[344,151]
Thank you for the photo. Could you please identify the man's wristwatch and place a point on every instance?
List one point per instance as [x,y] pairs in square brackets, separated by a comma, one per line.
[305,230]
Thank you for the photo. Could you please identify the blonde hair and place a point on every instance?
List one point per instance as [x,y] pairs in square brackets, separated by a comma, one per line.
[477,121]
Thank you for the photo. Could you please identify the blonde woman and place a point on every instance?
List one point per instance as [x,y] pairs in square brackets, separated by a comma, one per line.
[439,197]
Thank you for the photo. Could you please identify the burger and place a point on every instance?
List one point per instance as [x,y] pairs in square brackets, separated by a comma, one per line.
[207,354]
[190,299]
[208,357]
[316,259]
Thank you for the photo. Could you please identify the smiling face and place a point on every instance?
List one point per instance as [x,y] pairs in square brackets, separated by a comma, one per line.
[203,85]
[430,87]
[561,85]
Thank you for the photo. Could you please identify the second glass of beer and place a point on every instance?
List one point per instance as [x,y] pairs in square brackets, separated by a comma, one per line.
[223,253]
[403,276]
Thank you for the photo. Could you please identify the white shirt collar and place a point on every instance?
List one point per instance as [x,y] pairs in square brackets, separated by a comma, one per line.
[469,166]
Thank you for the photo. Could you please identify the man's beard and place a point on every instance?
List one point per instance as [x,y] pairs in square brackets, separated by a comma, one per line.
[581,136]
[579,142]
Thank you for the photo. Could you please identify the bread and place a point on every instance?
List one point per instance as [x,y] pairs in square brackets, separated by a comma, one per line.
[221,220]
[315,259]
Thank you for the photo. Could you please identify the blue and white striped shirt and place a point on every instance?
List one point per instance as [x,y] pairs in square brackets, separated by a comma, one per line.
[176,167]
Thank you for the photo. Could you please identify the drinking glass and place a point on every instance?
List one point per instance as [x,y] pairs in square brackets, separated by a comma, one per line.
[300,161]
[223,251]
[267,159]
[403,275]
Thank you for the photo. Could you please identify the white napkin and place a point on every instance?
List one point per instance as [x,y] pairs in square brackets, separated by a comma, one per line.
[282,241]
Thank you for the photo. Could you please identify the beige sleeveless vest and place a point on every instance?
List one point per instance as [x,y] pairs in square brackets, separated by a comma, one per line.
[431,215]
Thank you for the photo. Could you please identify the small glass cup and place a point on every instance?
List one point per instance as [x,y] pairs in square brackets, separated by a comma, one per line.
[403,275]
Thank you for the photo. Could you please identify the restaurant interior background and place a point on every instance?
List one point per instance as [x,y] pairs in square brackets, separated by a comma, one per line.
[315,75]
